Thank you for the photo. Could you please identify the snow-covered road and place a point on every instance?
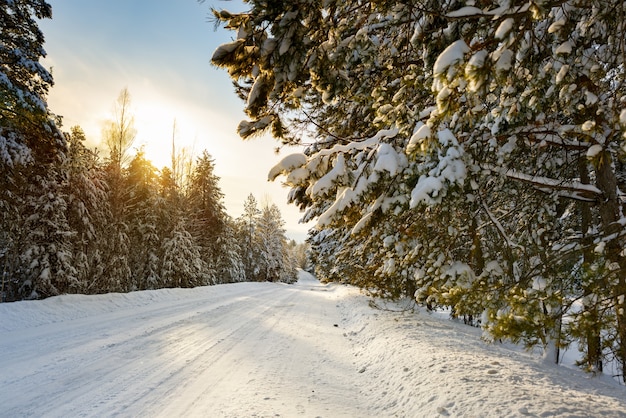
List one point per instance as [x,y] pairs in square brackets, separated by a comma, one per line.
[267,350]
[245,350]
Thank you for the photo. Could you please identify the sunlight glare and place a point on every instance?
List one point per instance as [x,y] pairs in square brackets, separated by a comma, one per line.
[156,122]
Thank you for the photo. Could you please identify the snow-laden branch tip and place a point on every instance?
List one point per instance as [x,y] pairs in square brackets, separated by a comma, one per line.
[594,150]
[286,165]
[361,145]
[426,189]
[324,184]
[450,56]
[420,133]
[504,28]
[475,12]
[465,12]
[389,160]
[450,170]
[224,50]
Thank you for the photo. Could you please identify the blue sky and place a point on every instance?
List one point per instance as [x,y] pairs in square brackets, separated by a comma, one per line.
[160,51]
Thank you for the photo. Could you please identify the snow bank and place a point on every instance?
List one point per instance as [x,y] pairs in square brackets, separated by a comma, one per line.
[418,364]
[31,314]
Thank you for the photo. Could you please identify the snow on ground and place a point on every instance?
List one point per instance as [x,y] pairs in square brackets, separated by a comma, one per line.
[269,350]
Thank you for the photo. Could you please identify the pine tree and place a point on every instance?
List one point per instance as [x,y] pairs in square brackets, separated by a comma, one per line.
[454,135]
[270,234]
[169,209]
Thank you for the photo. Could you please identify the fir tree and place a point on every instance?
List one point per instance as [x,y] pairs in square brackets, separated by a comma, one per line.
[31,147]
[26,127]
[230,266]
[247,231]
[276,261]
[47,258]
[206,212]
[182,263]
[87,209]
[141,185]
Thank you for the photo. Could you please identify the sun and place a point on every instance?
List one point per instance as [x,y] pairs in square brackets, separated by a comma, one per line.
[157,125]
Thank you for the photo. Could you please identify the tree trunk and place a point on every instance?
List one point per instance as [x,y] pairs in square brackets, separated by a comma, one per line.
[593,338]
[610,214]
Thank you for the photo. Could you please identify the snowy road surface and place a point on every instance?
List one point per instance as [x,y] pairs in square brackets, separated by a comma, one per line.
[268,350]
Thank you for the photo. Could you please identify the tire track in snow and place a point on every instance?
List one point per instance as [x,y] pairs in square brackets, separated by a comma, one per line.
[200,356]
[277,365]
[254,350]
[208,377]
[87,360]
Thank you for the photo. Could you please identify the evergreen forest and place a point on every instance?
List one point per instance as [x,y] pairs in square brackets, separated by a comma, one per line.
[72,221]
